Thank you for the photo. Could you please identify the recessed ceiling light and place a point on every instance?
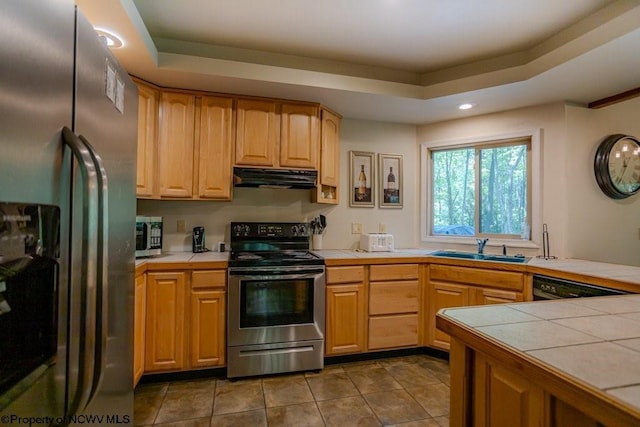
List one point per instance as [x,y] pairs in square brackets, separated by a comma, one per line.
[465,106]
[110,39]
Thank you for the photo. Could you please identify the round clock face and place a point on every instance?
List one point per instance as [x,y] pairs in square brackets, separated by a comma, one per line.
[617,166]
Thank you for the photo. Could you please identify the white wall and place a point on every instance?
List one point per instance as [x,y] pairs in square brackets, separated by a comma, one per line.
[379,138]
[255,204]
[599,228]
[550,120]
[583,223]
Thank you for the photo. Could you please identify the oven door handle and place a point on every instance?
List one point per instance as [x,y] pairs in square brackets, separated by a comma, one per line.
[279,276]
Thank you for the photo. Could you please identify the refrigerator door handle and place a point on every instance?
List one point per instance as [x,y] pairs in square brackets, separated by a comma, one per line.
[89,276]
[102,305]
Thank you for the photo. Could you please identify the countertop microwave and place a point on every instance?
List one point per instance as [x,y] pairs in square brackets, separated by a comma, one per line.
[148,236]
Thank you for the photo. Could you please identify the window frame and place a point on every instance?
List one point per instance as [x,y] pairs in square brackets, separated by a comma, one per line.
[534,182]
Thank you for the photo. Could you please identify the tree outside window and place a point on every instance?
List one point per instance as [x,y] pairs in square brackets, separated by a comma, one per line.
[481,190]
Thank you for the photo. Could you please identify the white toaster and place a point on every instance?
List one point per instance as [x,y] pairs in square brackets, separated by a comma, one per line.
[376,242]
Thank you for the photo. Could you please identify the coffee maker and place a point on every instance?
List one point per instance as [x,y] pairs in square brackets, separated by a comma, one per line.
[197,245]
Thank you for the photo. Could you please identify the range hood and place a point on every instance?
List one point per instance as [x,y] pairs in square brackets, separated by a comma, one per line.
[274,178]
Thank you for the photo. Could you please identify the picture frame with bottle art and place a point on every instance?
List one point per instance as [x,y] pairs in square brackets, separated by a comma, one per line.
[361,179]
[390,186]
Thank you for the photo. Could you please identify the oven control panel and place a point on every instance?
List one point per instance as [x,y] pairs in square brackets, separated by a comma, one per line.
[269,230]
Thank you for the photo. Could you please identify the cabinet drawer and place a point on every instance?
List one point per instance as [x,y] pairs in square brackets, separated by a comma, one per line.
[393,331]
[477,276]
[394,297]
[208,279]
[393,272]
[350,274]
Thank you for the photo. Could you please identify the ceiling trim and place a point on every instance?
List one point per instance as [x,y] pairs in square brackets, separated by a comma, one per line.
[595,30]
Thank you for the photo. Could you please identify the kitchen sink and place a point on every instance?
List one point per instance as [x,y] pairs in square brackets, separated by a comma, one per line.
[479,257]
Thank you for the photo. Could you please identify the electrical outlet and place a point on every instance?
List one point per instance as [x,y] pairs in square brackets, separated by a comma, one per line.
[181,226]
[356,228]
[382,227]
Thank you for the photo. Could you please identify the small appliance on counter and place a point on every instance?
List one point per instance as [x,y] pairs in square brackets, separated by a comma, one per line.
[148,236]
[376,242]
[197,244]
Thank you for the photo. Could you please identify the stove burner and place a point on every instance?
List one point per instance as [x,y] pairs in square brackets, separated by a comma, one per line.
[271,244]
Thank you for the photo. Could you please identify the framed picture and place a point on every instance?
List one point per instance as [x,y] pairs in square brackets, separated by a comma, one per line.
[390,167]
[361,179]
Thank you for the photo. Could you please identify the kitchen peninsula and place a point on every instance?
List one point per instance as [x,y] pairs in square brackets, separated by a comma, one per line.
[561,363]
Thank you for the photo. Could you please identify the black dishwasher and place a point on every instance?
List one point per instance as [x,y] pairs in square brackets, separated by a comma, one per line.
[545,288]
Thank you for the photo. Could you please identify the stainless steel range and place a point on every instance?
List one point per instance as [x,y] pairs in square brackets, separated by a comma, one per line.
[276,300]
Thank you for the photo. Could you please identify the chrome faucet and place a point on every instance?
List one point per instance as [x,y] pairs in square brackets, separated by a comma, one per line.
[481,243]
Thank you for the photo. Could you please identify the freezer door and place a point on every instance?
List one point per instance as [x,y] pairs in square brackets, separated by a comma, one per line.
[106,107]
[36,90]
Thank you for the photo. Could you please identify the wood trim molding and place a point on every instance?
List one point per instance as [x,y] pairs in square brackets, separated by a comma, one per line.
[614,99]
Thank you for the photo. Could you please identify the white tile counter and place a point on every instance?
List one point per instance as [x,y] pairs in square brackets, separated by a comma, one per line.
[188,258]
[593,341]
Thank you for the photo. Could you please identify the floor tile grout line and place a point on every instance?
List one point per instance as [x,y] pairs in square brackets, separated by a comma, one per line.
[433,368]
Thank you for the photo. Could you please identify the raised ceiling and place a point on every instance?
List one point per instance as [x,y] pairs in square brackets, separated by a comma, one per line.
[407,61]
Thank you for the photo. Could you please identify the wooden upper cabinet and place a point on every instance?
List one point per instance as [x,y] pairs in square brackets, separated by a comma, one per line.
[277,134]
[215,148]
[257,133]
[299,136]
[330,149]
[176,145]
[329,165]
[147,148]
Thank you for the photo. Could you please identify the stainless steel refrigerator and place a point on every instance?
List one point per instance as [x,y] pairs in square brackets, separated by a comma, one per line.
[68,126]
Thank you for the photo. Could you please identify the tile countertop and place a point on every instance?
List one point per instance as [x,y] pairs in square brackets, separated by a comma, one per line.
[594,340]
[623,273]
[187,257]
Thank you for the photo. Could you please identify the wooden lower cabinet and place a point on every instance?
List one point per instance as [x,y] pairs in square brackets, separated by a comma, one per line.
[454,286]
[502,397]
[486,391]
[346,310]
[393,331]
[165,326]
[207,319]
[394,306]
[443,295]
[497,296]
[139,311]
[185,320]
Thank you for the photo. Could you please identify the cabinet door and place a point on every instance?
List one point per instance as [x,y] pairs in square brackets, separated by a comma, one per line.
[443,295]
[327,190]
[257,132]
[139,313]
[299,136]
[164,349]
[346,319]
[216,137]
[176,142]
[207,328]
[147,149]
[496,296]
[503,397]
[330,149]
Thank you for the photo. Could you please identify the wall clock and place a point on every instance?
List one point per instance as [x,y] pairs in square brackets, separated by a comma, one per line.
[617,166]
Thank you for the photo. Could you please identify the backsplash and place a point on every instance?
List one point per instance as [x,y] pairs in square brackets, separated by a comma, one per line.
[249,204]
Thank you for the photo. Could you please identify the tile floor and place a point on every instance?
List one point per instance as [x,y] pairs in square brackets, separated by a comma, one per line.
[408,391]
